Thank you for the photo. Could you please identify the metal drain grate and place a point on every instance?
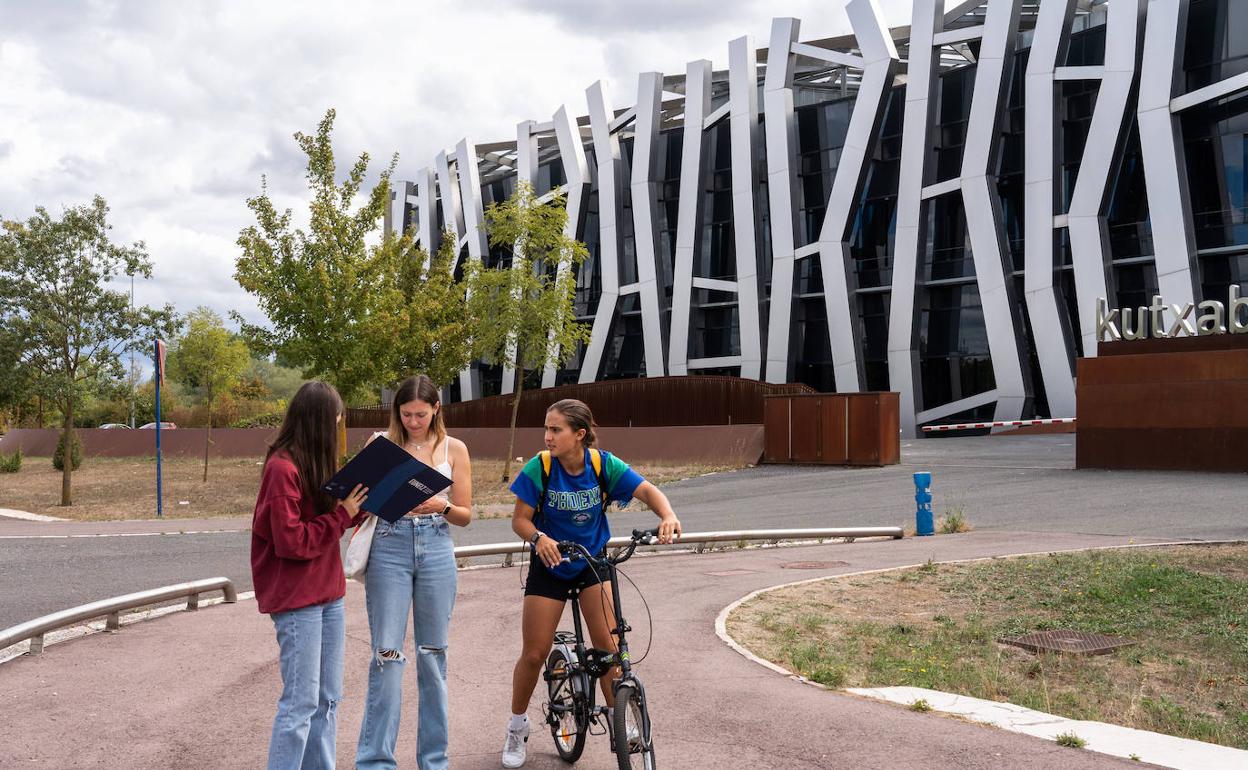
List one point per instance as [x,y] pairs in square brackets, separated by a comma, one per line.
[813,564]
[1068,641]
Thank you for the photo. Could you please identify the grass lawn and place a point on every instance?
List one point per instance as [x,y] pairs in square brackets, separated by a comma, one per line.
[125,488]
[937,627]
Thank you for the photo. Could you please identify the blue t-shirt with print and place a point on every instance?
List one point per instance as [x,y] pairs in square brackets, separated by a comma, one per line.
[573,508]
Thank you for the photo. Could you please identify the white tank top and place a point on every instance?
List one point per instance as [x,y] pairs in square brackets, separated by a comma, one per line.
[443,467]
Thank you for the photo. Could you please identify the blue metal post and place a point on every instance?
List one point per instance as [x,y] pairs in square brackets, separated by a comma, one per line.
[923,524]
[159,506]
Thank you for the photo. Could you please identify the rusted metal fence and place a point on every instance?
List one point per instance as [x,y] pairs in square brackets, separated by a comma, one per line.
[638,403]
[832,429]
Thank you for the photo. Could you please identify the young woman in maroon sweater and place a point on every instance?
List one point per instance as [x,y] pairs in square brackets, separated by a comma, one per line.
[296,568]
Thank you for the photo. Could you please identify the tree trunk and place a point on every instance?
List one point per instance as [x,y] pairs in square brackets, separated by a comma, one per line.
[515,409]
[67,458]
[207,438]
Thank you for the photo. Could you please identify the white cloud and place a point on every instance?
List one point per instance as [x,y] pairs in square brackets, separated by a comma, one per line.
[173,111]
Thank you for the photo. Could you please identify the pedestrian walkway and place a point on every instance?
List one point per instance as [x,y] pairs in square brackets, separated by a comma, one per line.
[196,690]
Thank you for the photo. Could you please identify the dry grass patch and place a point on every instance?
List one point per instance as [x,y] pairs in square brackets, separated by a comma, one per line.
[937,627]
[125,487]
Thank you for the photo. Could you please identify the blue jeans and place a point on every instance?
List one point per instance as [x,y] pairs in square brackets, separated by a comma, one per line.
[411,565]
[305,730]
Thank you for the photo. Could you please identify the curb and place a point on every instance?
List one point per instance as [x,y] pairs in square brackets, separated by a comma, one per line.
[1103,738]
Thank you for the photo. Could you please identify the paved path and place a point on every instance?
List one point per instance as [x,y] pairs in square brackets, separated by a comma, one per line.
[197,690]
[1014,483]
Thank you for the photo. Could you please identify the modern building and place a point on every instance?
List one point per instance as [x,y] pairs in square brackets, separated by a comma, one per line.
[935,210]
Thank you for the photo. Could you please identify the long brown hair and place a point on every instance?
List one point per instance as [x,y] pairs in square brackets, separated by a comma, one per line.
[417,388]
[309,435]
[578,416]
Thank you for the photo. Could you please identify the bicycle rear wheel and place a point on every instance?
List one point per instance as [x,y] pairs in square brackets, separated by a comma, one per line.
[632,718]
[568,723]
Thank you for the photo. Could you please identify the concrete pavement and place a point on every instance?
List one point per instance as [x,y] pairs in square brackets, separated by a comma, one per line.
[1005,483]
[194,690]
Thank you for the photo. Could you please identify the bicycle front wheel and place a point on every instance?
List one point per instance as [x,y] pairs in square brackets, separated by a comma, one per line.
[634,745]
[568,725]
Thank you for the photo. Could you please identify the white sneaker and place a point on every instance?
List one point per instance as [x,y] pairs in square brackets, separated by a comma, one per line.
[514,748]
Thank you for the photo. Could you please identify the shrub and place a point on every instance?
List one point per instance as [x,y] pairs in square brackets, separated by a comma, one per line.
[75,454]
[11,463]
[269,420]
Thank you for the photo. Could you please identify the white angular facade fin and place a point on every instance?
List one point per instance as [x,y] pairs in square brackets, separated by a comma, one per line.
[1086,226]
[903,358]
[743,118]
[983,213]
[689,214]
[607,158]
[1165,174]
[645,216]
[576,171]
[879,57]
[780,126]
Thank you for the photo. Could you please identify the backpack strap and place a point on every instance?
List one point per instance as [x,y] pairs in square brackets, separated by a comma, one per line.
[595,459]
[545,457]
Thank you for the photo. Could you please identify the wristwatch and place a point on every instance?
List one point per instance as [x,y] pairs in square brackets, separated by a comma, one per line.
[538,535]
[446,510]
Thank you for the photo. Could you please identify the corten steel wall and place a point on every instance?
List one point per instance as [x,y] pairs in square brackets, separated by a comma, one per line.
[1177,404]
[710,444]
[180,442]
[833,429]
[648,402]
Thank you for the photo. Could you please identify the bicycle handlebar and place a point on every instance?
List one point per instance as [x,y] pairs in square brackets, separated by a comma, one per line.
[573,551]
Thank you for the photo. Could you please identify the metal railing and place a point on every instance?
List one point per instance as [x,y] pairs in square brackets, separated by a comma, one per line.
[34,630]
[700,539]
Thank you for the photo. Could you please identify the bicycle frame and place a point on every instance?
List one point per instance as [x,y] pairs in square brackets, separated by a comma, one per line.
[591,667]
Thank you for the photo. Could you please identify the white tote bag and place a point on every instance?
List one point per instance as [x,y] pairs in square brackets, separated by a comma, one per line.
[356,561]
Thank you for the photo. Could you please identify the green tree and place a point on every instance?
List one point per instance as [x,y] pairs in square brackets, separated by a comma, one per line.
[430,332]
[17,386]
[525,309]
[324,290]
[55,291]
[208,359]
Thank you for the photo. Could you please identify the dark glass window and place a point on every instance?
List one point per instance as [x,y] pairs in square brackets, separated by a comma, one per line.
[954,362]
[717,255]
[953,111]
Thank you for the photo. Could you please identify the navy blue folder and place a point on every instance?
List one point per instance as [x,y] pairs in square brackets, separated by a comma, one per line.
[396,481]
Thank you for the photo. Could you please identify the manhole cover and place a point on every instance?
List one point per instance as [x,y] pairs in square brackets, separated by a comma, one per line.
[732,572]
[813,564]
[1066,640]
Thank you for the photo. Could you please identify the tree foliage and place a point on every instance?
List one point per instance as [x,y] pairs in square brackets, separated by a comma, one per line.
[529,302]
[359,315]
[323,289]
[431,332]
[208,359]
[57,298]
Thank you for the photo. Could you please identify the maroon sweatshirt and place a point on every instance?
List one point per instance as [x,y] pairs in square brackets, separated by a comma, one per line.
[295,561]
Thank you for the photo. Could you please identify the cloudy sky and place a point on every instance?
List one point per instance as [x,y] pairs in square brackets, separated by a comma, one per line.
[173,110]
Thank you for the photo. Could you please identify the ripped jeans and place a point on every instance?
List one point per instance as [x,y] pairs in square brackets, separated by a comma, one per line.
[310,640]
[411,566]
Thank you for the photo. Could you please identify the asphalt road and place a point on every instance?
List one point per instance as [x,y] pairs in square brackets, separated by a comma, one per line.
[1000,483]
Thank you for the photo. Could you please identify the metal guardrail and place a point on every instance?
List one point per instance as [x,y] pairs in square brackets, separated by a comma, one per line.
[700,539]
[34,630]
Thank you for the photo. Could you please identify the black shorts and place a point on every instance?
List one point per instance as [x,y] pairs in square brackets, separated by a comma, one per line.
[542,583]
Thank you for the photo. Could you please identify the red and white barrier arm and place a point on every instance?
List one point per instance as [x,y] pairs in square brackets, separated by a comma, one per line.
[1007,424]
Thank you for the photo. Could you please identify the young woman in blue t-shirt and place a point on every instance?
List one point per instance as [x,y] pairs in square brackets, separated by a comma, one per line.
[573,509]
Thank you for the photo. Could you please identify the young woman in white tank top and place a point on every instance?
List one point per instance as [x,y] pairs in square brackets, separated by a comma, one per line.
[411,571]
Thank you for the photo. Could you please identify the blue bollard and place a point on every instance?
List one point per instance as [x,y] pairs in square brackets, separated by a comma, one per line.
[923,524]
